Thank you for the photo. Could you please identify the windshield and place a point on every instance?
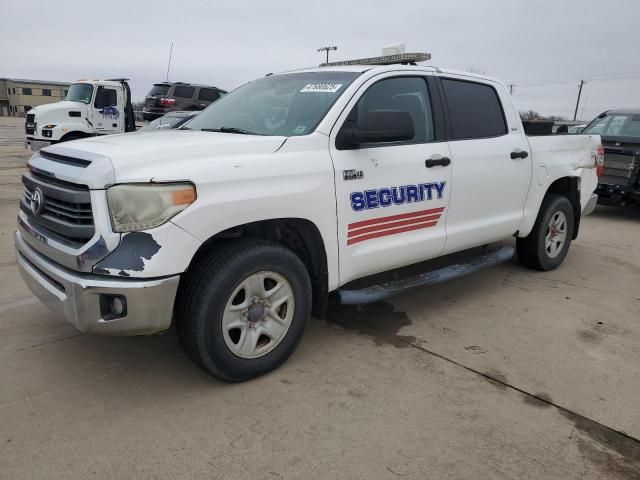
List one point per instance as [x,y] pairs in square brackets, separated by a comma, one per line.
[80,92]
[289,104]
[615,125]
[167,121]
[158,89]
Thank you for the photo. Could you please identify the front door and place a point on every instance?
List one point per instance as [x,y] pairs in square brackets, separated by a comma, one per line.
[108,110]
[392,198]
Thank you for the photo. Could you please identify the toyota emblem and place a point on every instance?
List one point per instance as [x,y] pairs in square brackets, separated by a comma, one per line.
[37,201]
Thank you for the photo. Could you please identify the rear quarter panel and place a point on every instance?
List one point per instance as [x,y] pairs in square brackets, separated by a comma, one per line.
[555,157]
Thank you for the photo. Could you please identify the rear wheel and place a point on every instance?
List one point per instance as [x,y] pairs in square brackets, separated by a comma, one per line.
[548,243]
[242,311]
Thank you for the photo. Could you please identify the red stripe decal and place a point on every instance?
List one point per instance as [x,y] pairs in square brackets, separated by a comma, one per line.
[383,233]
[384,226]
[390,218]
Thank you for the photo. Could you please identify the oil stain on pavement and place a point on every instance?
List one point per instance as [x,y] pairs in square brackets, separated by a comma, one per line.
[376,320]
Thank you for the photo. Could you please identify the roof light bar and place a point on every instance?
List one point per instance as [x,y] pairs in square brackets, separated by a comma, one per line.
[406,58]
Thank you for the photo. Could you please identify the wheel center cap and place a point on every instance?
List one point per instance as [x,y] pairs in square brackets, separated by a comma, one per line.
[256,312]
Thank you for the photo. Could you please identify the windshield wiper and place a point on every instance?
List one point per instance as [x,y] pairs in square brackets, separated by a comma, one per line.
[229,130]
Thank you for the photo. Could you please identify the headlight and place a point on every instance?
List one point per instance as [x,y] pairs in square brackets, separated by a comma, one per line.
[136,207]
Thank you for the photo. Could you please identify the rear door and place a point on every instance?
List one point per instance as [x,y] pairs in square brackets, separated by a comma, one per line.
[391,197]
[490,184]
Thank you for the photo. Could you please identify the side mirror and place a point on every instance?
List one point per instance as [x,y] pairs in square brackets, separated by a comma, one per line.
[378,126]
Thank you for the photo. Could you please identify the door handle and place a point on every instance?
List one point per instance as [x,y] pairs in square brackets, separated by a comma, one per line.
[519,154]
[432,162]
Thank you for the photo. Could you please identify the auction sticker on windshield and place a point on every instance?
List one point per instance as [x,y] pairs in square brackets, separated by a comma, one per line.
[321,87]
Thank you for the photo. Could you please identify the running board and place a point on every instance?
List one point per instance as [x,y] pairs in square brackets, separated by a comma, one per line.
[375,293]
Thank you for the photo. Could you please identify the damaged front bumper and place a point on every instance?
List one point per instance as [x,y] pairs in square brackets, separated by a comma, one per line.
[86,300]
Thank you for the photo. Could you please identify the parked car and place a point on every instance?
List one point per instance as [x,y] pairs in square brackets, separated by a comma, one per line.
[620,132]
[169,97]
[170,120]
[290,187]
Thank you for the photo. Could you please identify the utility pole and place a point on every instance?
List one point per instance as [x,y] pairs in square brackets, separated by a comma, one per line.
[169,63]
[327,49]
[575,114]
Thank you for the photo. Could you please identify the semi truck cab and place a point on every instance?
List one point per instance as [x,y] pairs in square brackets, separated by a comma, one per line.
[91,107]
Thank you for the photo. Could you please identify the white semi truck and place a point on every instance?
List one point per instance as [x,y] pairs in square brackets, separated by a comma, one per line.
[91,107]
[238,226]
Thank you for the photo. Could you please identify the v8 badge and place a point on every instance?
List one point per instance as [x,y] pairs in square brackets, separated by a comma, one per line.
[352,174]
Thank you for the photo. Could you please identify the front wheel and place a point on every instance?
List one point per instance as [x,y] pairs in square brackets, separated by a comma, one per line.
[548,243]
[242,311]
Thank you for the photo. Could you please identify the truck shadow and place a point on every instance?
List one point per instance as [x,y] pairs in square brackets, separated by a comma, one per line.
[628,212]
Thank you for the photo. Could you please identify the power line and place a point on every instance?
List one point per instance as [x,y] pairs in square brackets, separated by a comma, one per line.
[592,78]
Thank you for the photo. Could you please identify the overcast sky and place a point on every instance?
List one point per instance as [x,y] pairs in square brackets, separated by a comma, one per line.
[544,47]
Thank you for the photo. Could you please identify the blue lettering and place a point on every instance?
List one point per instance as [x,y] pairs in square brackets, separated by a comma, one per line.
[357,201]
[387,196]
[384,196]
[412,193]
[427,187]
[371,197]
[399,195]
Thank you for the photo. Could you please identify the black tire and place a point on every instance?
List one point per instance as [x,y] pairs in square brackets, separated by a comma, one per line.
[205,291]
[531,249]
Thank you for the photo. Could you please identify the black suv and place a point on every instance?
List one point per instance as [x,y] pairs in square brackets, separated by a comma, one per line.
[169,97]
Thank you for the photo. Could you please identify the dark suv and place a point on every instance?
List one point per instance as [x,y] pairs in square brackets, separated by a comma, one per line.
[620,133]
[169,97]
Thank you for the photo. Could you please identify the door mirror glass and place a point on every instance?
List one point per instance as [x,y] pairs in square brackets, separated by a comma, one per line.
[379,126]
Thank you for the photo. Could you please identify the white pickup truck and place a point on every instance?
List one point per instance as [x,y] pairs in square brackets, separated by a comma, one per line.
[237,227]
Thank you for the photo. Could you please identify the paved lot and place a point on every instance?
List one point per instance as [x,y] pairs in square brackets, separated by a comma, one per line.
[505,374]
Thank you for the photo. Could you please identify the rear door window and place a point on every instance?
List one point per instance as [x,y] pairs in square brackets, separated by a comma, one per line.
[475,110]
[158,90]
[183,91]
[208,94]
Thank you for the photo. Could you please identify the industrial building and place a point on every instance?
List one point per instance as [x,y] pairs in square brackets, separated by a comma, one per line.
[18,96]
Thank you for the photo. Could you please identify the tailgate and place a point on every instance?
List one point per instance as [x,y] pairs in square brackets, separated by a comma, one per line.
[621,163]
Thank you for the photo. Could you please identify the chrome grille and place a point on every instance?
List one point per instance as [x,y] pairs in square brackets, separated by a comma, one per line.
[66,207]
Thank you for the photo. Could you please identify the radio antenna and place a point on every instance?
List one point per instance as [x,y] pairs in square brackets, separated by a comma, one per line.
[169,63]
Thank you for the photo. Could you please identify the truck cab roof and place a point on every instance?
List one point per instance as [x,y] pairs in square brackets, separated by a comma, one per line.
[377,69]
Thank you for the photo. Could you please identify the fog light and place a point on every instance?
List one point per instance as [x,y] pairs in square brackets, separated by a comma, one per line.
[118,305]
[113,306]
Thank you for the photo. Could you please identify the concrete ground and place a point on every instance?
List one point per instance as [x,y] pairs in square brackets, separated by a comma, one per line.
[505,374]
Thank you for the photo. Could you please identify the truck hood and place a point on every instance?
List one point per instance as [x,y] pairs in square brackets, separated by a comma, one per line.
[157,155]
[57,111]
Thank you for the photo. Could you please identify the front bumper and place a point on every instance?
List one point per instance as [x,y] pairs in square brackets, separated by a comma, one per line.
[34,145]
[80,298]
[591,205]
